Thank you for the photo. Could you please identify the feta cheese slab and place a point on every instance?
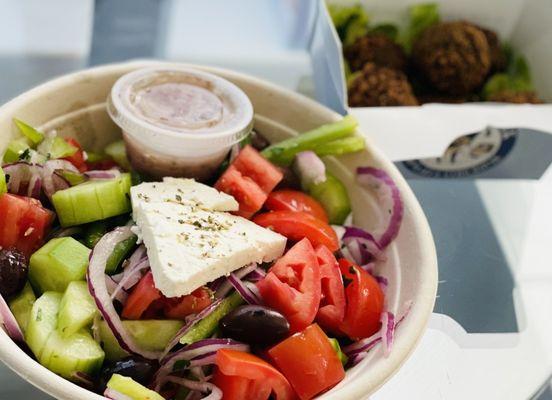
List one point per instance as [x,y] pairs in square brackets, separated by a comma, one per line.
[189,246]
[183,191]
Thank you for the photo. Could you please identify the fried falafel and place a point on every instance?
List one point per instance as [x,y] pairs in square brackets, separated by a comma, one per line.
[376,48]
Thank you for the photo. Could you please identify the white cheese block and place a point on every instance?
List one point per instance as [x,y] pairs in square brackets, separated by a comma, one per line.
[189,246]
[183,191]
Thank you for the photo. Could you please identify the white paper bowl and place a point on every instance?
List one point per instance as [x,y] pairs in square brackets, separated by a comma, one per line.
[75,105]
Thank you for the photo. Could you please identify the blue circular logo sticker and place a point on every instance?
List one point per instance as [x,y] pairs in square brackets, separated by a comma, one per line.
[467,155]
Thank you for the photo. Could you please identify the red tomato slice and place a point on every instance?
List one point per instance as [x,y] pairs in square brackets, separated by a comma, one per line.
[141,297]
[23,223]
[246,192]
[332,302]
[76,159]
[253,165]
[242,375]
[292,286]
[364,302]
[181,307]
[308,361]
[294,200]
[296,225]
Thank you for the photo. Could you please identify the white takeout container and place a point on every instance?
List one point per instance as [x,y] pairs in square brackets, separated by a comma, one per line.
[75,106]
[525,24]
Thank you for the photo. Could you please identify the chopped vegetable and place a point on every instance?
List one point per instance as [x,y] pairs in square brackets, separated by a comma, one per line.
[117,151]
[142,296]
[282,153]
[339,147]
[34,136]
[3,184]
[331,311]
[16,150]
[57,147]
[76,310]
[294,200]
[337,348]
[21,306]
[333,196]
[131,389]
[120,252]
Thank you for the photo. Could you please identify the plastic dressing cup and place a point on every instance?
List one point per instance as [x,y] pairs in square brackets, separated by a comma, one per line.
[178,121]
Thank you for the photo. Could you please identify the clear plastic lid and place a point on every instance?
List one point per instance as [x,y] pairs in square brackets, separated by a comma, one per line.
[180,110]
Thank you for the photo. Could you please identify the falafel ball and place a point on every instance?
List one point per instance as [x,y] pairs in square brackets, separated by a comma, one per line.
[376,48]
[380,86]
[453,56]
[498,57]
[510,96]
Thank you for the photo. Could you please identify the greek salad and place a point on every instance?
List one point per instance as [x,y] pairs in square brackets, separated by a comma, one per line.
[254,285]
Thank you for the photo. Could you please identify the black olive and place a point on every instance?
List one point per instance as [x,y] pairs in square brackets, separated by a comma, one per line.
[140,370]
[255,325]
[13,272]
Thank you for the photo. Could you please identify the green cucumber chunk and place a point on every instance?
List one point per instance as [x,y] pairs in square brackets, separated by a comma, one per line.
[119,253]
[151,335]
[208,325]
[333,196]
[282,153]
[21,306]
[42,321]
[117,151]
[77,309]
[93,201]
[15,149]
[3,183]
[34,136]
[350,144]
[132,389]
[58,263]
[337,348]
[67,355]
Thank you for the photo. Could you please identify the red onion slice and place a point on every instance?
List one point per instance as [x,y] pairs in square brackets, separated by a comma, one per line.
[389,197]
[256,275]
[10,323]
[245,292]
[103,174]
[115,395]
[98,290]
[131,278]
[204,360]
[225,286]
[23,178]
[204,387]
[309,168]
[388,328]
[369,249]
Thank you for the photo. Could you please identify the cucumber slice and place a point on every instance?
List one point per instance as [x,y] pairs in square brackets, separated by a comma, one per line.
[76,353]
[3,183]
[15,149]
[132,389]
[334,198]
[152,335]
[21,306]
[117,151]
[93,201]
[34,136]
[77,309]
[207,326]
[42,321]
[57,263]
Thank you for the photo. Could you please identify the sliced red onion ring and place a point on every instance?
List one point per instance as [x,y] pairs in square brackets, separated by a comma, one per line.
[9,322]
[369,248]
[309,168]
[137,256]
[206,359]
[132,277]
[98,290]
[23,178]
[226,286]
[115,293]
[362,345]
[115,395]
[256,275]
[195,350]
[103,174]
[382,281]
[388,334]
[204,387]
[389,197]
[189,324]
[245,292]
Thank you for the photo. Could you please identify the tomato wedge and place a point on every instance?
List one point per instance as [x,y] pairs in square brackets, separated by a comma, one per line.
[253,165]
[181,307]
[292,286]
[332,302]
[296,225]
[294,200]
[141,297]
[308,361]
[77,159]
[242,375]
[23,223]
[364,302]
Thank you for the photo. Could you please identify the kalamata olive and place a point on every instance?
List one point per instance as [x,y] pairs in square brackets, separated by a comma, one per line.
[136,368]
[256,325]
[13,272]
